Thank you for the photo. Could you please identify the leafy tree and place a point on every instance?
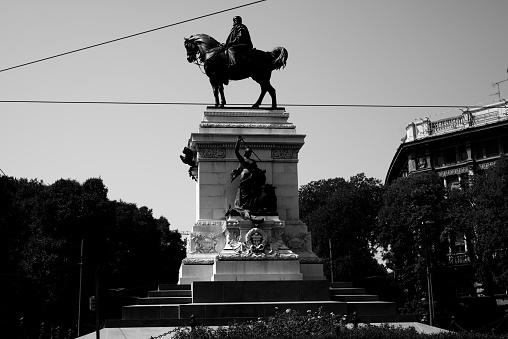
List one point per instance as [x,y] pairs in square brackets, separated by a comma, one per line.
[490,206]
[42,227]
[411,225]
[344,212]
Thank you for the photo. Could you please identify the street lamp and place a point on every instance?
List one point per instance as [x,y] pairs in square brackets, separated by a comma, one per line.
[429,276]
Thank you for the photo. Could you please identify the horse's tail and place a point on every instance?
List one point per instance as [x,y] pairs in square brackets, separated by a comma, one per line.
[280,55]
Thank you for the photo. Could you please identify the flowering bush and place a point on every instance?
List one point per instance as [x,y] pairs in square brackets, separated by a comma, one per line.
[284,324]
[290,324]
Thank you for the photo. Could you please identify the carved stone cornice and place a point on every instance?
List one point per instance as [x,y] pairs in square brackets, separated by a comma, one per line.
[198,261]
[261,257]
[245,125]
[249,113]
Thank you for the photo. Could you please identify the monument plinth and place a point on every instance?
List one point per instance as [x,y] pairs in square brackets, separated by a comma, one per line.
[248,253]
[247,228]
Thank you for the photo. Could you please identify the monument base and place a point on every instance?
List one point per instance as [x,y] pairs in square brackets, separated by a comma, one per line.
[234,268]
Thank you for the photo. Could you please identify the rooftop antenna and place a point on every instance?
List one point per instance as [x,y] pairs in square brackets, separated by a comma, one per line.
[498,89]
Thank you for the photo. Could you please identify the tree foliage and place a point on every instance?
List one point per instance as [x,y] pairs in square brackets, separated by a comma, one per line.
[411,224]
[42,227]
[344,212]
[480,211]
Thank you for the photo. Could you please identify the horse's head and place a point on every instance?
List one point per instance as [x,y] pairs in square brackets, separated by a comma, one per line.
[192,49]
[199,44]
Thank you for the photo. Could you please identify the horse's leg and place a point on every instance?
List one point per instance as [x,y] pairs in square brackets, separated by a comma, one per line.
[215,92]
[261,96]
[222,97]
[271,91]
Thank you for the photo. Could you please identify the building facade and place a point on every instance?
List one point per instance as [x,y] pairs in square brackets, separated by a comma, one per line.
[454,147]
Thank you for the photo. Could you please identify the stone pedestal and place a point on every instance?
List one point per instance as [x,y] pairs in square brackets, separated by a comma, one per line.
[214,236]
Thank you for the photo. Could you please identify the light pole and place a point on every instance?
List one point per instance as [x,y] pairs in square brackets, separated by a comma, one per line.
[331,259]
[429,277]
[80,287]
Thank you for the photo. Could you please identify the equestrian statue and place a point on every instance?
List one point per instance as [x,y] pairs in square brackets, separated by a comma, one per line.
[235,60]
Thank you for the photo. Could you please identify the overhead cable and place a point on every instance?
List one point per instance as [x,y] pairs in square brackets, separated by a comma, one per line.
[130,36]
[231,105]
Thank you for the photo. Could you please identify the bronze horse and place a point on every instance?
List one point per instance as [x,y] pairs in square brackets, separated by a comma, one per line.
[258,66]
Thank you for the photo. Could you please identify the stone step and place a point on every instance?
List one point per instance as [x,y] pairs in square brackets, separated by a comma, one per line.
[371,307]
[257,309]
[172,287]
[164,300]
[342,284]
[170,293]
[150,312]
[252,310]
[347,290]
[226,310]
[260,291]
[354,297]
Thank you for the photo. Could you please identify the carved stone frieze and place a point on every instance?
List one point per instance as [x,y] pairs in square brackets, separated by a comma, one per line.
[453,171]
[204,242]
[245,256]
[298,243]
[210,223]
[487,164]
[284,154]
[212,153]
[256,240]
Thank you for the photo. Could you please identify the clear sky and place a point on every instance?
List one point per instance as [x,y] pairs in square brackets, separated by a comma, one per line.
[430,52]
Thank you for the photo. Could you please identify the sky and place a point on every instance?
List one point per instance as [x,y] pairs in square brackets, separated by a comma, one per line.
[358,52]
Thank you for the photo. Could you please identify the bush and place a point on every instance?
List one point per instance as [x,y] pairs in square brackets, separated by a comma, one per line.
[318,325]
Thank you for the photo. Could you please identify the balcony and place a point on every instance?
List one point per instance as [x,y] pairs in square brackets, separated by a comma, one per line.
[468,119]
[457,259]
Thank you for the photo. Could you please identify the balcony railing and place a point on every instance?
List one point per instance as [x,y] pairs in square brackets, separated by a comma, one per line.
[469,118]
[459,259]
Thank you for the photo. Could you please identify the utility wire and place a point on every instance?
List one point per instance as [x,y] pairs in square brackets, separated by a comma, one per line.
[130,36]
[231,105]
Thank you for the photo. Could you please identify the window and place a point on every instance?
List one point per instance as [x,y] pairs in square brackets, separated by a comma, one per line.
[477,151]
[450,156]
[504,143]
[461,150]
[491,148]
[445,156]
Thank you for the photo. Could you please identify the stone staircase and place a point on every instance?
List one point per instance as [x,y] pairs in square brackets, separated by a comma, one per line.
[220,303]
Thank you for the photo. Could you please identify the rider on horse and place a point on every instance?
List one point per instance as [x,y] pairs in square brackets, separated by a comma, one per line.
[238,42]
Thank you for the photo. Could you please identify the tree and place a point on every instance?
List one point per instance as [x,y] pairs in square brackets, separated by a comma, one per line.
[345,212]
[42,227]
[490,206]
[411,225]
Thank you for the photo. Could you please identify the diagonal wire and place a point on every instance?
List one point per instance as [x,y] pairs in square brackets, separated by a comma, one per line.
[130,36]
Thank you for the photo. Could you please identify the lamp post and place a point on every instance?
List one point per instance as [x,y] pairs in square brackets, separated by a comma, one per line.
[430,294]
[331,258]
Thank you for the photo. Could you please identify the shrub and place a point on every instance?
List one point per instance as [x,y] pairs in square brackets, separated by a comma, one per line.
[290,324]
